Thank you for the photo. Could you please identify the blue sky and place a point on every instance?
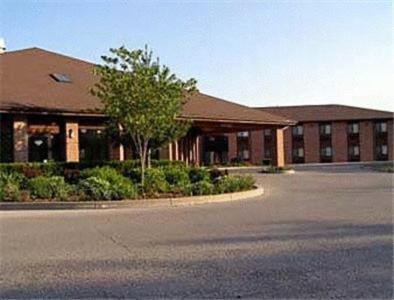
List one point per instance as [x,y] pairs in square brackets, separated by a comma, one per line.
[256,53]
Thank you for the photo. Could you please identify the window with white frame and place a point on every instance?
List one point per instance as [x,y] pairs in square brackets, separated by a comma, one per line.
[354,128]
[325,129]
[298,152]
[382,149]
[381,127]
[298,130]
[267,132]
[243,134]
[326,151]
[354,150]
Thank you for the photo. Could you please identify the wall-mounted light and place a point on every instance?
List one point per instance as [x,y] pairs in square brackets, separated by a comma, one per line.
[71,133]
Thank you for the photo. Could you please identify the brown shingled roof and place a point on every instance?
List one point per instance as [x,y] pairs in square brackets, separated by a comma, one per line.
[26,85]
[329,112]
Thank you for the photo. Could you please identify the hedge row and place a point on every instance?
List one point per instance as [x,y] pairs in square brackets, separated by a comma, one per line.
[109,183]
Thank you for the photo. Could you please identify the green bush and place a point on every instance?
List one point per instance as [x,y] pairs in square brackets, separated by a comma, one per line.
[10,184]
[106,183]
[198,174]
[53,187]
[155,182]
[202,188]
[231,184]
[177,178]
[95,188]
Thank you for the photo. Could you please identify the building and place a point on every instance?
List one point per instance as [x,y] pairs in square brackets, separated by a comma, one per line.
[48,113]
[323,134]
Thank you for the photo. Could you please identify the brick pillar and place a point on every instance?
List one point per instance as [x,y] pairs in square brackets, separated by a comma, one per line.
[232,145]
[72,141]
[20,139]
[288,145]
[390,139]
[339,142]
[279,155]
[311,143]
[116,152]
[366,141]
[256,146]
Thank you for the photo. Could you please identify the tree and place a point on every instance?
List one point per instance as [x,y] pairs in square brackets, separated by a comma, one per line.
[142,99]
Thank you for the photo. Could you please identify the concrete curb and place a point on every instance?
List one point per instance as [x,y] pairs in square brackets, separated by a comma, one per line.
[145,203]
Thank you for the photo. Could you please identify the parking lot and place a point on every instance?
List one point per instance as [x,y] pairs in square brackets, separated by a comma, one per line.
[314,234]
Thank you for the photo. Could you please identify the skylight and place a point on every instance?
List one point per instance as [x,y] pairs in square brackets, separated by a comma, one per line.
[61,77]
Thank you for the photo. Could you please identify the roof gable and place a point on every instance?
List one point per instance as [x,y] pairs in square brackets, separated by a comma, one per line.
[27,85]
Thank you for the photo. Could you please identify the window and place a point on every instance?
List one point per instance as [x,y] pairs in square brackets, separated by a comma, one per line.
[267,153]
[61,77]
[381,127]
[325,129]
[326,151]
[354,150]
[243,134]
[267,132]
[298,130]
[93,145]
[245,154]
[354,128]
[298,152]
[381,149]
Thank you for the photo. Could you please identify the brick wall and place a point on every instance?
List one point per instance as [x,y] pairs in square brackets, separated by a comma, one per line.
[366,141]
[72,141]
[311,143]
[116,152]
[20,139]
[256,146]
[288,145]
[390,139]
[339,141]
[232,145]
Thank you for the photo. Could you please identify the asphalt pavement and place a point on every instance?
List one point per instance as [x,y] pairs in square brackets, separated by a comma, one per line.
[312,235]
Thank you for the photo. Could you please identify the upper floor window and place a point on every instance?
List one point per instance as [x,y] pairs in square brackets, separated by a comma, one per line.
[381,127]
[298,130]
[325,129]
[267,132]
[354,128]
[243,134]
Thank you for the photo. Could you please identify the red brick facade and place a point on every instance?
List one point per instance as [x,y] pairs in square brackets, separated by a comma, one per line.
[311,143]
[339,142]
[366,141]
[256,146]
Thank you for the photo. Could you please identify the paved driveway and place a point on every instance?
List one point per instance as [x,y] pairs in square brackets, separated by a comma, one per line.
[312,235]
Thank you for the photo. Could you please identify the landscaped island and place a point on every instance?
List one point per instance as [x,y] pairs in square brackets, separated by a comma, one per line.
[113,181]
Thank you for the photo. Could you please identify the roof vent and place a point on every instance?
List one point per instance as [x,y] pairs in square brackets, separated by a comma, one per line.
[61,77]
[2,45]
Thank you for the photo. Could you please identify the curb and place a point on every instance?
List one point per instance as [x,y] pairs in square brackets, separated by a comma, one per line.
[145,203]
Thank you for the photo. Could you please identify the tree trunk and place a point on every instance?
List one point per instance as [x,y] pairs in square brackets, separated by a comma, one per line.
[149,159]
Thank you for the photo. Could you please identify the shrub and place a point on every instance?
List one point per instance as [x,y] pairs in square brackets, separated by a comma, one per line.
[177,179]
[95,188]
[198,174]
[106,183]
[275,170]
[231,184]
[202,188]
[10,186]
[53,187]
[155,181]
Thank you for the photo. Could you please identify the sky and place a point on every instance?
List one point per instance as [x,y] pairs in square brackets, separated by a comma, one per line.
[257,53]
